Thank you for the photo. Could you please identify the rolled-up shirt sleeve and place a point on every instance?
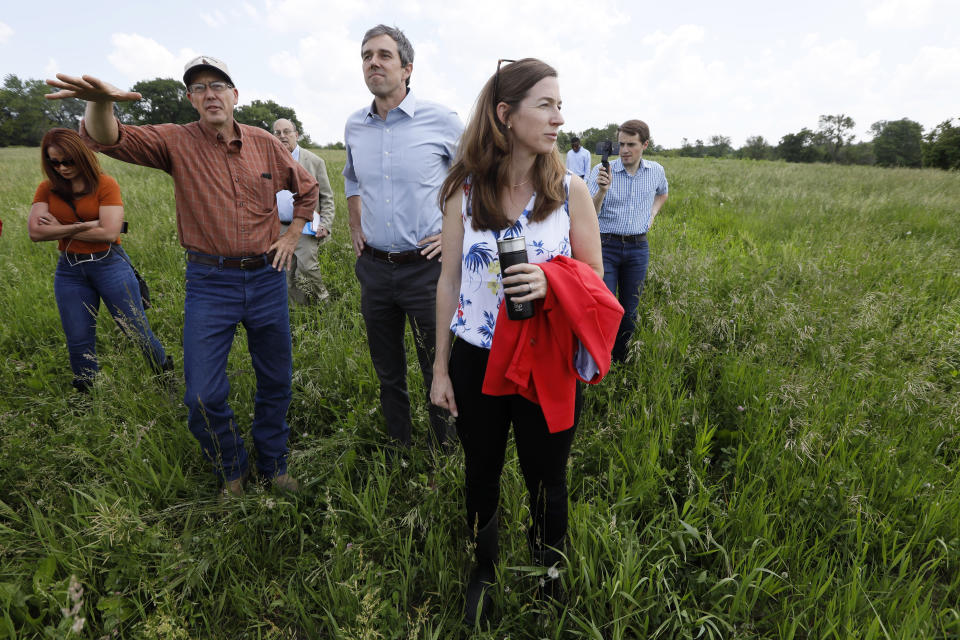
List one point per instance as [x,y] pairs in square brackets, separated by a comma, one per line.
[662,187]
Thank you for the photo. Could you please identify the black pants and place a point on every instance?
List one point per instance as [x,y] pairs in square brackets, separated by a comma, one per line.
[483,426]
[390,294]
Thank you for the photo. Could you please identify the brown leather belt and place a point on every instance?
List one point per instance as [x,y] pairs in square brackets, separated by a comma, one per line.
[395,257]
[246,263]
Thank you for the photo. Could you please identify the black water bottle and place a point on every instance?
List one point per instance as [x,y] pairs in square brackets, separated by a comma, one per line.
[514,251]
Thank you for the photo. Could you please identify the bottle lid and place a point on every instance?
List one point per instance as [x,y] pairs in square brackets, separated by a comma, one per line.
[507,245]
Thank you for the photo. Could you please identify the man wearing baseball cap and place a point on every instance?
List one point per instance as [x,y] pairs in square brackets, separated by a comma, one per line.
[225,178]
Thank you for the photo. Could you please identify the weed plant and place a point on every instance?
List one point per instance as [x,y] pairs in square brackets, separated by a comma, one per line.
[778,458]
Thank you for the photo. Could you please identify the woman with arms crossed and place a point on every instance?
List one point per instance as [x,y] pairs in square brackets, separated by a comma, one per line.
[80,207]
[508,180]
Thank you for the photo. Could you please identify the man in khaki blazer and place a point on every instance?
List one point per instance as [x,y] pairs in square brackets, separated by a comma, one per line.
[303,277]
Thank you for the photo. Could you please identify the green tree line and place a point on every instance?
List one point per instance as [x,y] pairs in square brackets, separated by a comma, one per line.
[25,115]
[893,143]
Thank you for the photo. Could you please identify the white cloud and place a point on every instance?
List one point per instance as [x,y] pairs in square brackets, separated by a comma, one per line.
[251,11]
[790,91]
[142,58]
[286,65]
[931,66]
[290,16]
[5,32]
[321,80]
[901,14]
[681,38]
[214,20]
[52,68]
[924,87]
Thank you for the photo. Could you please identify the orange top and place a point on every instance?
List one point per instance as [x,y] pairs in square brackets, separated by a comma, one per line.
[88,208]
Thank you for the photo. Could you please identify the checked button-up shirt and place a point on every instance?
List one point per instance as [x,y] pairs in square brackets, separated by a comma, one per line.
[225,192]
[629,200]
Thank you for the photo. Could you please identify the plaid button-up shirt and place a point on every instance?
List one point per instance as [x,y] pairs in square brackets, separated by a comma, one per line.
[629,201]
[225,192]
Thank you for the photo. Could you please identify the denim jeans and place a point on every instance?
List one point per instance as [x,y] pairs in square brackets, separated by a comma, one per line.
[78,290]
[624,271]
[217,300]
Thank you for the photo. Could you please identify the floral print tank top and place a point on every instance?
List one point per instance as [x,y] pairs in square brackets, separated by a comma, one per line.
[481,292]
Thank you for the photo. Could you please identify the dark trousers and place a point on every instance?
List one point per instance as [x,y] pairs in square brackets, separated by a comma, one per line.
[483,426]
[391,294]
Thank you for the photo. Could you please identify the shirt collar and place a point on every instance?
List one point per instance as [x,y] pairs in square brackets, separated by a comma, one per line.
[407,106]
[296,153]
[617,165]
[213,135]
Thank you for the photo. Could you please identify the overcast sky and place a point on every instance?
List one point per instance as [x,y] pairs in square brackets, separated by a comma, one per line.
[690,69]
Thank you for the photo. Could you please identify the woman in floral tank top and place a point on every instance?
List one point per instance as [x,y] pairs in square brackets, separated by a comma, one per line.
[508,180]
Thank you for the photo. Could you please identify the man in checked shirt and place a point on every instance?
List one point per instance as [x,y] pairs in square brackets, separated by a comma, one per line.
[628,197]
[225,178]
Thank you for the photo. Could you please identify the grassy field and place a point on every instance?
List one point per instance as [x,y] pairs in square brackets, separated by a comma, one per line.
[780,457]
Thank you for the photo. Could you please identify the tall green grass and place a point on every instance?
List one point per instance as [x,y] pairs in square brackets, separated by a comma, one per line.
[777,459]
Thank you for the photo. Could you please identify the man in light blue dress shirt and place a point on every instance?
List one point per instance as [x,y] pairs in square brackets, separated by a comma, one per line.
[627,196]
[399,149]
[578,159]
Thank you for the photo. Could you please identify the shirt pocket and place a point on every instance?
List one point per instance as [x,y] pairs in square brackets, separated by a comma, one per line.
[264,196]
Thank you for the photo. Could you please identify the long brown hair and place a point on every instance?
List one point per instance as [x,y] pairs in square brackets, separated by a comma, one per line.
[484,153]
[88,167]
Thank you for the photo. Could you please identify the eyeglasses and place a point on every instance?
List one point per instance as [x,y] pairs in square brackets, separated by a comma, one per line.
[218,87]
[66,162]
[284,132]
[496,77]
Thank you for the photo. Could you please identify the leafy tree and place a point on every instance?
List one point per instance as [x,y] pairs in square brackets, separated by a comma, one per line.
[719,147]
[64,113]
[164,100]
[836,132]
[858,153]
[898,143]
[941,147]
[590,137]
[262,114]
[756,148]
[25,115]
[799,147]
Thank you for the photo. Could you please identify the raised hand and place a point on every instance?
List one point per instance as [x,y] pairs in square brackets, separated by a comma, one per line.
[88,88]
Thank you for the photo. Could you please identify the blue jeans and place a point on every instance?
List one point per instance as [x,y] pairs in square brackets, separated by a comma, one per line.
[624,270]
[78,290]
[218,299]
